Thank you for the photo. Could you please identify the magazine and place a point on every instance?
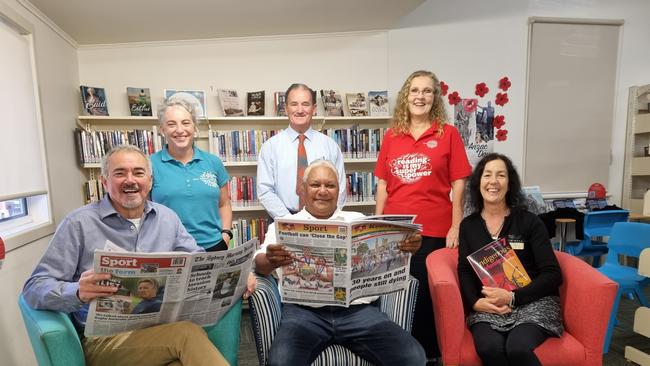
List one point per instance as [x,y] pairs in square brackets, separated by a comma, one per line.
[497,265]
[94,101]
[279,100]
[535,200]
[332,103]
[139,101]
[156,288]
[378,101]
[255,103]
[195,97]
[336,262]
[230,103]
[357,104]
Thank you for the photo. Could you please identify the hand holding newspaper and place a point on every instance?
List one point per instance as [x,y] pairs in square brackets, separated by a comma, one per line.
[156,288]
[335,262]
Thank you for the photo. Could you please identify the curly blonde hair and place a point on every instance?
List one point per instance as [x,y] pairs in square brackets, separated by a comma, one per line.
[402,117]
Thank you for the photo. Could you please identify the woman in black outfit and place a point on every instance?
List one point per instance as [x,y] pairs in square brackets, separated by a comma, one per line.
[507,326]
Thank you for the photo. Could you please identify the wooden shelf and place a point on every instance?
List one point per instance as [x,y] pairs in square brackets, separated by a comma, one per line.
[254,119]
[360,203]
[246,163]
[636,205]
[642,123]
[236,208]
[117,118]
[240,163]
[641,165]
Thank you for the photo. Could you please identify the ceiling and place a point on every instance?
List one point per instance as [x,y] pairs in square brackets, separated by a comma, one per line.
[90,22]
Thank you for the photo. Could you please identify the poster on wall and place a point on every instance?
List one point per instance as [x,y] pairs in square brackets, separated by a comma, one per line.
[474,123]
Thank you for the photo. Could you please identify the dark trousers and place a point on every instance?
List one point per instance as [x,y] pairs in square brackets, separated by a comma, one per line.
[508,348]
[424,326]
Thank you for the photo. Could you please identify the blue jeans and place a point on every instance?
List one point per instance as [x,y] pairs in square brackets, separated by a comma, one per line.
[305,332]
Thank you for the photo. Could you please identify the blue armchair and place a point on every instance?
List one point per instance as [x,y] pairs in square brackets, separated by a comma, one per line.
[265,310]
[55,341]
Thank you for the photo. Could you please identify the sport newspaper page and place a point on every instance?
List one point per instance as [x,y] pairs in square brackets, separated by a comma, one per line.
[335,262]
[200,287]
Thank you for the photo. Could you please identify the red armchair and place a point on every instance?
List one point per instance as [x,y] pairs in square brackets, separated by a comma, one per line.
[586,296]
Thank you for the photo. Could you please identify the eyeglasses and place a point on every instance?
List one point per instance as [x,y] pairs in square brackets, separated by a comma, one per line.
[425,92]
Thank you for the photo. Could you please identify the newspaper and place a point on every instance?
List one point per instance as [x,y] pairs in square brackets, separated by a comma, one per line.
[156,288]
[335,262]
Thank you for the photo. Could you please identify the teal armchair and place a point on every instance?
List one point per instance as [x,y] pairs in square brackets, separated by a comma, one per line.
[55,341]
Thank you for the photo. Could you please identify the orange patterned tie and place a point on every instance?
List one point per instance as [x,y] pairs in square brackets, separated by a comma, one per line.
[300,171]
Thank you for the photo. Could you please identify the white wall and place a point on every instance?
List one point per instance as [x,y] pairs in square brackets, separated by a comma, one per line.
[57,71]
[466,42]
[347,62]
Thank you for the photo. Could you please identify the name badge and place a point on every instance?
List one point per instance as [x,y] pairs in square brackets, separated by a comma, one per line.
[517,245]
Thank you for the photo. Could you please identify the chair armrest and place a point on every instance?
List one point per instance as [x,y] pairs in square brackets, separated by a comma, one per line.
[265,310]
[447,303]
[587,298]
[400,305]
[226,333]
[54,339]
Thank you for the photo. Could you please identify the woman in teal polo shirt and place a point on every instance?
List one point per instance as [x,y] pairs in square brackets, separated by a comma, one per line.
[190,181]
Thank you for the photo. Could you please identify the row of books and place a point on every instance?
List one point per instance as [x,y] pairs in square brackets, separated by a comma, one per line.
[357,143]
[244,145]
[361,186]
[230,146]
[243,191]
[244,230]
[373,103]
[238,145]
[93,145]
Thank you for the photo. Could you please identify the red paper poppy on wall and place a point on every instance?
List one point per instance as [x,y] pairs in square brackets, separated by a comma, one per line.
[501,99]
[481,89]
[499,121]
[454,98]
[504,83]
[443,88]
[502,135]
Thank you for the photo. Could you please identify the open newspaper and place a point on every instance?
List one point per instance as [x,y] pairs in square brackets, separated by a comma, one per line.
[335,262]
[156,288]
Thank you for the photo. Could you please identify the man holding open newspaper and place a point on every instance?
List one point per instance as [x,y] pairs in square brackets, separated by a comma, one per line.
[306,330]
[65,281]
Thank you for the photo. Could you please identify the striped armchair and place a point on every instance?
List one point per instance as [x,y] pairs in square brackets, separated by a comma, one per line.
[266,309]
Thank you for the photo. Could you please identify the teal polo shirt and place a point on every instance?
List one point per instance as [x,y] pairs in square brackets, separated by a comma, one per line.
[192,190]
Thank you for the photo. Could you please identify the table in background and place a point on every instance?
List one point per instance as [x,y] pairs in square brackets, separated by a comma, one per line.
[563,226]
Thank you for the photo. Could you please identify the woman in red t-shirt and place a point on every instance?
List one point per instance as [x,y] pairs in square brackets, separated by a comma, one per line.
[421,162]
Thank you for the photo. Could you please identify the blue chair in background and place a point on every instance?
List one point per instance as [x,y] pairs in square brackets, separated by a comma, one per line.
[628,239]
[55,341]
[597,224]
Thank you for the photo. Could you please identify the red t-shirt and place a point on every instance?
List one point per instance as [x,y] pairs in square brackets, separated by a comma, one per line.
[419,175]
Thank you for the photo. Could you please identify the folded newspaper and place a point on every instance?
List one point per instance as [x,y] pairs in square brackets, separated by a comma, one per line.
[156,288]
[336,262]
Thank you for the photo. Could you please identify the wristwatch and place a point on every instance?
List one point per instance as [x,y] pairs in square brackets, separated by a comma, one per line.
[226,231]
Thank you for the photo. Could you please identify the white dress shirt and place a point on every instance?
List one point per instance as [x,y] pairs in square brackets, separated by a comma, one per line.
[277,167]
